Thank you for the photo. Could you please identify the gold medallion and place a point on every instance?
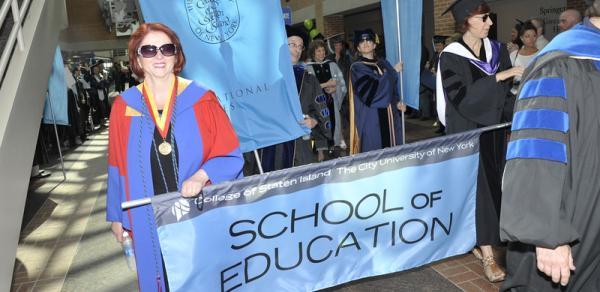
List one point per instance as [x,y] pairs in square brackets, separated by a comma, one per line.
[165,148]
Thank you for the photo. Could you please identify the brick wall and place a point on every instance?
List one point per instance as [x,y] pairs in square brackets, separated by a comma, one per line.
[332,25]
[444,25]
[297,4]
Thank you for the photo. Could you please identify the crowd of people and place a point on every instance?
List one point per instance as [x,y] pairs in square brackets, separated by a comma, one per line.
[90,91]
[543,206]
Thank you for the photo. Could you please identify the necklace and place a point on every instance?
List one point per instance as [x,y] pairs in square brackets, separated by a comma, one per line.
[164,148]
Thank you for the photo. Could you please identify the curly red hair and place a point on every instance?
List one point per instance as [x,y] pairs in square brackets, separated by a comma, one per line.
[136,40]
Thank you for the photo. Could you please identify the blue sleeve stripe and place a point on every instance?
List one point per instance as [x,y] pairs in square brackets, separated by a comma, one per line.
[541,119]
[551,86]
[537,149]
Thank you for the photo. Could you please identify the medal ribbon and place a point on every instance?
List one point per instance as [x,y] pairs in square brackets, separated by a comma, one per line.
[162,122]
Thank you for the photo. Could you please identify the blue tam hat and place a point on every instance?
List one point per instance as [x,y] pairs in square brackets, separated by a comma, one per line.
[363,35]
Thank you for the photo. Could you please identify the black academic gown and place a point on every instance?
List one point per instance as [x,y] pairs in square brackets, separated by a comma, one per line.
[551,184]
[476,100]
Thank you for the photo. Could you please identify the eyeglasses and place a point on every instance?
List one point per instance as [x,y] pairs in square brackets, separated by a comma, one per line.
[296,46]
[149,51]
[484,18]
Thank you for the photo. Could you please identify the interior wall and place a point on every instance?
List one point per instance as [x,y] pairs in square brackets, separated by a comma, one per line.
[549,10]
[21,104]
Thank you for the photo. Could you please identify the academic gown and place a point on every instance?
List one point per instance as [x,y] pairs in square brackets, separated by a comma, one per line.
[325,71]
[473,100]
[375,122]
[551,186]
[299,151]
[204,139]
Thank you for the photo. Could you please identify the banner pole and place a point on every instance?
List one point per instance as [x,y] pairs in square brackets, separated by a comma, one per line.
[62,162]
[258,162]
[401,71]
[135,203]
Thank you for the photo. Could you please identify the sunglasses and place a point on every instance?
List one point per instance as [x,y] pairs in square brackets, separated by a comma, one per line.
[484,18]
[149,51]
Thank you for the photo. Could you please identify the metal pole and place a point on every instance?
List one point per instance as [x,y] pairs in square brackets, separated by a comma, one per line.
[62,162]
[135,203]
[401,71]
[260,169]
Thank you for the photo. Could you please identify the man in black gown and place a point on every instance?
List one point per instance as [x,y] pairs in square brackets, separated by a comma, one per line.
[551,188]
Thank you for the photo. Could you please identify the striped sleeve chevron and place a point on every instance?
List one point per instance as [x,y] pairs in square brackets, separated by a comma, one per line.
[541,121]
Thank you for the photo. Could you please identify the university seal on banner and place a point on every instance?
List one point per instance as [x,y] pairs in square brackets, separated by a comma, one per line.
[213,21]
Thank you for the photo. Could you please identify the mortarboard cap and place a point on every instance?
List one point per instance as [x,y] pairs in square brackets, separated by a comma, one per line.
[338,38]
[439,39]
[462,8]
[291,31]
[361,35]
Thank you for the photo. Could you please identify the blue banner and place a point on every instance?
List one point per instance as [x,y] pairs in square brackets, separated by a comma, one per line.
[321,225]
[57,94]
[238,48]
[410,13]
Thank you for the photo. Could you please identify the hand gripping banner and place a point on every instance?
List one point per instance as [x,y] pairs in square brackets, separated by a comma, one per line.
[320,225]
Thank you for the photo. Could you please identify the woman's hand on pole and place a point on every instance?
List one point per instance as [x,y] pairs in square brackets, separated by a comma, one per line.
[398,66]
[401,106]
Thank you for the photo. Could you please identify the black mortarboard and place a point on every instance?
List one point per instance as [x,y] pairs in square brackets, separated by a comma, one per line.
[291,31]
[338,38]
[361,35]
[462,8]
[97,63]
[439,39]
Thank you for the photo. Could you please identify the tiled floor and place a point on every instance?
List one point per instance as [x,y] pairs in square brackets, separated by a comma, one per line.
[466,272]
[51,245]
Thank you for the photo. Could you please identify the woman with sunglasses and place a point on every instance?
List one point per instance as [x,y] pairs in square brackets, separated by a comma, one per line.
[167,134]
[375,104]
[475,73]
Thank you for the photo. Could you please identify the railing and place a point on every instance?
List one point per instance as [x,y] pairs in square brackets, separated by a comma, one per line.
[16,34]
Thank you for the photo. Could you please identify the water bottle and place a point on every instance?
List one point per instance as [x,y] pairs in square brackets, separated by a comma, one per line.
[128,250]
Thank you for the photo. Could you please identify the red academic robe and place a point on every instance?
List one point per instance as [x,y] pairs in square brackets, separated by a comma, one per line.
[205,139]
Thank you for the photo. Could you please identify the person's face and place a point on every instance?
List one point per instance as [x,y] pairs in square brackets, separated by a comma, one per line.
[514,34]
[338,47]
[96,70]
[296,46]
[320,54]
[366,47]
[529,37]
[479,25]
[566,21]
[158,66]
[439,47]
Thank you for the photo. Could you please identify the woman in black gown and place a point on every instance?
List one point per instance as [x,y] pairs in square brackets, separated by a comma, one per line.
[475,74]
